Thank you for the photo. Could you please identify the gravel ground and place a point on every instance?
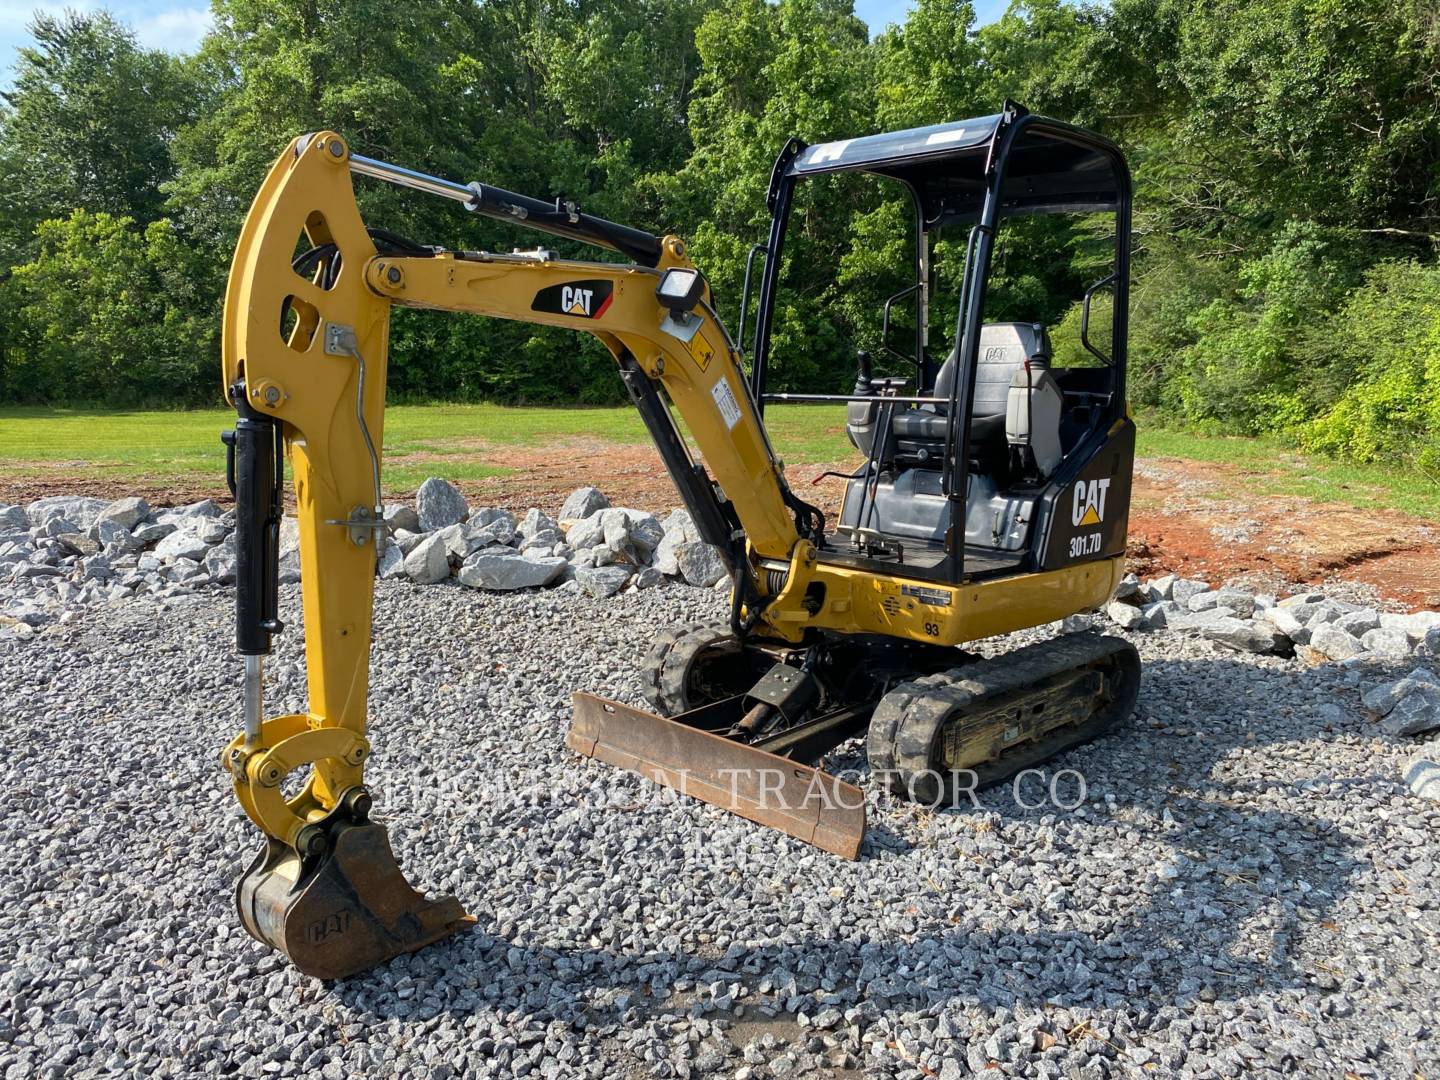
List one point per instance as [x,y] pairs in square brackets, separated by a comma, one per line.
[1246,890]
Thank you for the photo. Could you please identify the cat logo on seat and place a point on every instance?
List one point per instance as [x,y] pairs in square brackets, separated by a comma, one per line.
[1088,507]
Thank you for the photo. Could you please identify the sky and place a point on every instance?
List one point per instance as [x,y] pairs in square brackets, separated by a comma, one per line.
[179,26]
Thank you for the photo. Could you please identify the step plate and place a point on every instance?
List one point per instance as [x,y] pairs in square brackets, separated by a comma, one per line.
[801,801]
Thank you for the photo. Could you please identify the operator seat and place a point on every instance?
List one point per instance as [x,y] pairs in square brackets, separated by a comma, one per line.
[1004,349]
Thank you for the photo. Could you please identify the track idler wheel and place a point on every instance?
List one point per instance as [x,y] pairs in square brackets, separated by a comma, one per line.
[343,906]
[689,667]
[976,726]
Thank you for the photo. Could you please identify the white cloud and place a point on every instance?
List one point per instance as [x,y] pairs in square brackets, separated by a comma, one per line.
[177,30]
[158,24]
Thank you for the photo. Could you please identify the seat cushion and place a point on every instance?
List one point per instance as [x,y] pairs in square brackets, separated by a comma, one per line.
[919,424]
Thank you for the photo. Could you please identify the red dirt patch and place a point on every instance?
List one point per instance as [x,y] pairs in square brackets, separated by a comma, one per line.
[1197,519]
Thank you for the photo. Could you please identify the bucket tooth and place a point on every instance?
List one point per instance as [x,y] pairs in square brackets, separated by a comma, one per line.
[344,911]
[805,802]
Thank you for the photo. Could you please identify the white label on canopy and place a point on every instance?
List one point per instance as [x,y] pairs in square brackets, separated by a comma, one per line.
[725,401]
[828,152]
[940,137]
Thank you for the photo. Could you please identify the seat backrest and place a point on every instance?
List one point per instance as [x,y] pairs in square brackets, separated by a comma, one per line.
[1004,348]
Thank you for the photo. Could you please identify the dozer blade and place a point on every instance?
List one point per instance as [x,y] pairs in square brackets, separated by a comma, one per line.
[804,802]
[347,910]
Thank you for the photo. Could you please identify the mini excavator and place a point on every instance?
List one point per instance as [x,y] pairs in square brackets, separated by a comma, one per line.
[993,496]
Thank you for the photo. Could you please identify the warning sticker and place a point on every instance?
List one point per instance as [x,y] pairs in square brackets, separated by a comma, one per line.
[701,351]
[725,401]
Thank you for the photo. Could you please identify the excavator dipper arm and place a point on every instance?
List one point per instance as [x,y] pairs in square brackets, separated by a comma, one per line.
[304,356]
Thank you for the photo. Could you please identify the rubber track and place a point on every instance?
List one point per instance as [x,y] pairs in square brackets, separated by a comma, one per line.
[665,671]
[907,719]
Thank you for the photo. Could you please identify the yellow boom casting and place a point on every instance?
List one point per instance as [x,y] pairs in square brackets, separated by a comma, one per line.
[827,631]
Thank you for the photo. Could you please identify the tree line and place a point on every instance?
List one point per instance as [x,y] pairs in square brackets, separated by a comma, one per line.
[1286,156]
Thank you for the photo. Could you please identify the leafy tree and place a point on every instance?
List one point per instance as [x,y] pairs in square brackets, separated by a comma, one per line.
[108,311]
[87,124]
[1286,156]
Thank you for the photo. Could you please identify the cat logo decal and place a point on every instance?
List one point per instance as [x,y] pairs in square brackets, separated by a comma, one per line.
[581,299]
[1088,507]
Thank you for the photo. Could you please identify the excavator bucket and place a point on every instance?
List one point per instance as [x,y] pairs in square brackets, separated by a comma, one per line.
[344,911]
[797,799]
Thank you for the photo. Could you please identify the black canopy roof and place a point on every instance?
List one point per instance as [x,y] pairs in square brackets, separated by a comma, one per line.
[1048,165]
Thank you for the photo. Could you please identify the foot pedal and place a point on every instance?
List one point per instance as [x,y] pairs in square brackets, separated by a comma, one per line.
[337,914]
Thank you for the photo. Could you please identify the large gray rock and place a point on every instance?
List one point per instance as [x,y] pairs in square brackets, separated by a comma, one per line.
[587,532]
[580,504]
[1430,643]
[391,563]
[429,562]
[439,503]
[1163,587]
[1416,624]
[536,522]
[700,564]
[150,532]
[1417,712]
[1205,601]
[1247,635]
[1184,588]
[1386,641]
[113,536]
[401,516]
[1302,611]
[1236,602]
[646,578]
[127,512]
[289,536]
[406,541]
[500,522]
[219,563]
[630,533]
[1422,776]
[543,539]
[463,539]
[1332,642]
[1163,613]
[679,528]
[1288,624]
[602,581]
[180,515]
[1129,586]
[13,518]
[80,509]
[1327,612]
[290,567]
[1359,622]
[507,572]
[1125,616]
[182,544]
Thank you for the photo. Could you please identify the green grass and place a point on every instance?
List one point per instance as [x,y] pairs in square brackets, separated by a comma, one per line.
[457,441]
[462,441]
[1272,467]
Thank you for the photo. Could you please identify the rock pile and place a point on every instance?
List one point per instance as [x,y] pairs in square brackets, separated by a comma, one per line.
[74,551]
[1311,625]
[70,551]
